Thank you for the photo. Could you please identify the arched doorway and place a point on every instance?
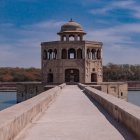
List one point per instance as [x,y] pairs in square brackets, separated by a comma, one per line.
[71,75]
[71,38]
[93,77]
[55,54]
[50,78]
[45,56]
[98,54]
[71,53]
[64,54]
[79,54]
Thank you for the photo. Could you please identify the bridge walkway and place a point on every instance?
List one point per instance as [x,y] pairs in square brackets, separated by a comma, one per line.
[72,116]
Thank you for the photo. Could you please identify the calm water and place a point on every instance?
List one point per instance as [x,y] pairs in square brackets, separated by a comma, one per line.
[7,99]
[134,97]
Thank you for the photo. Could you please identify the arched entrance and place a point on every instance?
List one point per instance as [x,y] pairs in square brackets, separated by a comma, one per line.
[50,78]
[93,77]
[71,75]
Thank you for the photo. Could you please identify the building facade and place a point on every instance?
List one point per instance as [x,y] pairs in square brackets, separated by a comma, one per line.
[72,59]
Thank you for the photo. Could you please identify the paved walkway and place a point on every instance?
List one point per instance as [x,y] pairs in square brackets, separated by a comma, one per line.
[74,117]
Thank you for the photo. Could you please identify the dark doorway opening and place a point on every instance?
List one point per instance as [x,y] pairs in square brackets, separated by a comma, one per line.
[50,78]
[71,75]
[79,54]
[64,54]
[93,77]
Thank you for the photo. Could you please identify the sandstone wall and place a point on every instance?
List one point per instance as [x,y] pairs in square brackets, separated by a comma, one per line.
[134,85]
[27,90]
[15,118]
[124,112]
[117,89]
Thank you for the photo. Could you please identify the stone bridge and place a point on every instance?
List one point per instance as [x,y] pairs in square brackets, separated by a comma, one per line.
[71,112]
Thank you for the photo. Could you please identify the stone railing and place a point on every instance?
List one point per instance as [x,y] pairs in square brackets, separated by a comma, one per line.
[7,86]
[15,118]
[117,89]
[133,85]
[124,112]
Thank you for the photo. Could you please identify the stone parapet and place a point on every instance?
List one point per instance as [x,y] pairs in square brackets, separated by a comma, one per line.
[133,85]
[124,112]
[15,118]
[27,90]
[117,89]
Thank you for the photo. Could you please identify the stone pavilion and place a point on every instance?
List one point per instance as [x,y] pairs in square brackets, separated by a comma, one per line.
[71,59]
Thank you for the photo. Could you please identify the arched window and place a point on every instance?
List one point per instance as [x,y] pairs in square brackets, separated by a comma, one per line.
[71,38]
[88,54]
[79,38]
[79,54]
[50,78]
[55,54]
[64,54]
[50,54]
[93,52]
[64,38]
[93,77]
[98,54]
[71,53]
[45,55]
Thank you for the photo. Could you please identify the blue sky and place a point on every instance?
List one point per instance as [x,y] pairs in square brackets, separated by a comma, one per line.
[24,24]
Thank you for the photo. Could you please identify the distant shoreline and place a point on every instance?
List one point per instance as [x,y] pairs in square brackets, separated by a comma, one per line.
[11,86]
[133,89]
[8,90]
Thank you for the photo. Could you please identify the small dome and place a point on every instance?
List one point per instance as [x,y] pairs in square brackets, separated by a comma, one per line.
[71,26]
[71,31]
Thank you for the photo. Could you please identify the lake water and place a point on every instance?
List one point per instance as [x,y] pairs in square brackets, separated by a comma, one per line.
[134,97]
[8,99]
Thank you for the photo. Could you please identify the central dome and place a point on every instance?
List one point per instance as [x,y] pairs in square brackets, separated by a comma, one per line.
[71,26]
[71,31]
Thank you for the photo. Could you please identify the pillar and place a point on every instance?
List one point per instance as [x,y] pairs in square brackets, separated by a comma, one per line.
[67,37]
[76,37]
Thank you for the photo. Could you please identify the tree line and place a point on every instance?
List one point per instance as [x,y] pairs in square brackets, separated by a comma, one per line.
[111,72]
[124,72]
[19,74]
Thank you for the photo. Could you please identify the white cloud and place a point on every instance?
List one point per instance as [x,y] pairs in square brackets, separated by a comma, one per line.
[119,46]
[52,24]
[131,5]
[21,46]
[121,55]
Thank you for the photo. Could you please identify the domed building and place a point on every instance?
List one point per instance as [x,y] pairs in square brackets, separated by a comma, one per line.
[72,59]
